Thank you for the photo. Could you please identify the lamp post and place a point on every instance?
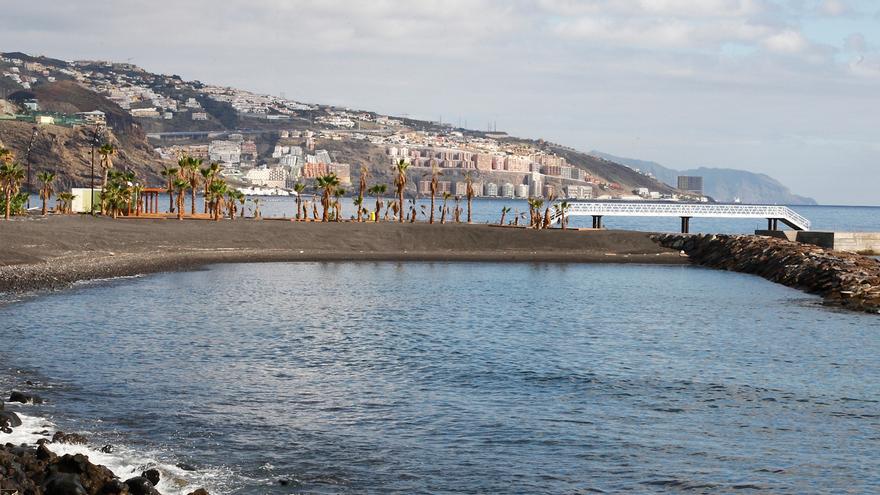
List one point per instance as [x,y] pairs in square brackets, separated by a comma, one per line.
[95,136]
[30,145]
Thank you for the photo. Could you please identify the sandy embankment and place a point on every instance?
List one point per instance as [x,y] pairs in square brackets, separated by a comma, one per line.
[52,252]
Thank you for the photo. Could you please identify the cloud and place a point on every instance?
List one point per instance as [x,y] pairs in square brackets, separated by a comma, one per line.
[833,8]
[786,42]
[648,8]
[856,43]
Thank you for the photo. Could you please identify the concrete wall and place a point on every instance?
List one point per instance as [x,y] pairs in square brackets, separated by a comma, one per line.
[851,242]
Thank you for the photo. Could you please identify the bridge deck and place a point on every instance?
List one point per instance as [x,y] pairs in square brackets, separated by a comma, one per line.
[686,210]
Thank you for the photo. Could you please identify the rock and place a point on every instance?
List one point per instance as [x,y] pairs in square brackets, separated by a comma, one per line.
[107,449]
[140,486]
[152,475]
[9,419]
[63,484]
[843,279]
[71,438]
[200,491]
[115,487]
[185,466]
[24,398]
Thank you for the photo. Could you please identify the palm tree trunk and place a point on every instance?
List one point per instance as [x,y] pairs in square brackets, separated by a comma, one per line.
[470,199]
[192,200]
[400,202]
[432,206]
[180,203]
[44,205]
[8,202]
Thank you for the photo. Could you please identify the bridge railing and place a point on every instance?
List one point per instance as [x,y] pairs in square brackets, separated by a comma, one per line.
[699,210]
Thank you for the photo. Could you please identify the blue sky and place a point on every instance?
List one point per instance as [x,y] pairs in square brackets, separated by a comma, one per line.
[790,88]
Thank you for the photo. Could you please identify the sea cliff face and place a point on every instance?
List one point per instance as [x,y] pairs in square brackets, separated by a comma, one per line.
[842,279]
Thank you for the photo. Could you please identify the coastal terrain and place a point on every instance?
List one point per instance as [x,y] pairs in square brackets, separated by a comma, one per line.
[52,252]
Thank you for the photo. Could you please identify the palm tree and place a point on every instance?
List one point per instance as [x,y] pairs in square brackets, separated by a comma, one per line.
[328,185]
[535,205]
[365,173]
[550,199]
[6,156]
[170,173]
[563,209]
[435,183]
[470,193]
[298,188]
[256,202]
[106,151]
[400,184]
[180,186]
[11,175]
[504,212]
[66,201]
[445,209]
[457,213]
[378,190]
[209,175]
[216,192]
[46,191]
[337,206]
[194,175]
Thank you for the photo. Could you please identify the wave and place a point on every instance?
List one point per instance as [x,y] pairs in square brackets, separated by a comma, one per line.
[124,462]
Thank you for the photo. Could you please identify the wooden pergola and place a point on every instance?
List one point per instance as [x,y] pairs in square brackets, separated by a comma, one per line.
[150,197]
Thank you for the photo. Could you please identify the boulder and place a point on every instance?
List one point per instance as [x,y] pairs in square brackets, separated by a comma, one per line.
[71,438]
[152,475]
[9,419]
[63,484]
[24,398]
[140,486]
[200,491]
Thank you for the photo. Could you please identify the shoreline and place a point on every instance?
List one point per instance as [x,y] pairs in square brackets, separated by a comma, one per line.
[54,252]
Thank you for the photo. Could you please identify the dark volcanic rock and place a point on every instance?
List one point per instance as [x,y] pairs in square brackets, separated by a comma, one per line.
[63,484]
[9,419]
[24,398]
[73,438]
[844,279]
[152,475]
[140,486]
[200,491]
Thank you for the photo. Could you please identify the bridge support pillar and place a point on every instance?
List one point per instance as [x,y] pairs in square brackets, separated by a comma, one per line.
[685,225]
[597,221]
[772,224]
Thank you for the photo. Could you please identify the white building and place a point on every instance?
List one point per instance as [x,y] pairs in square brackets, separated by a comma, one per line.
[507,190]
[268,177]
[227,152]
[490,189]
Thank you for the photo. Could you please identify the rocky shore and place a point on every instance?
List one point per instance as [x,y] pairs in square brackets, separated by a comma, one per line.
[843,279]
[55,251]
[38,470]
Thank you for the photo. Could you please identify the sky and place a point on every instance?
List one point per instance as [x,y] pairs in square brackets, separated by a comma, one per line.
[790,88]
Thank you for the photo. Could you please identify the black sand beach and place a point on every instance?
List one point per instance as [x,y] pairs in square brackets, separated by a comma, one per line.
[52,252]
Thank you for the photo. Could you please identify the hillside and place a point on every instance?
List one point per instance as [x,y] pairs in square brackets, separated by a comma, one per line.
[67,152]
[722,184]
[138,102]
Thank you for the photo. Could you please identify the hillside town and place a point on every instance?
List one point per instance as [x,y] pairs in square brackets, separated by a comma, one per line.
[268,144]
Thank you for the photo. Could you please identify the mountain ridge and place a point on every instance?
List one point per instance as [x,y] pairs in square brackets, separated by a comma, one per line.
[722,184]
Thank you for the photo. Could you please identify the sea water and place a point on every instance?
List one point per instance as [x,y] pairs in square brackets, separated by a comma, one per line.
[455,378]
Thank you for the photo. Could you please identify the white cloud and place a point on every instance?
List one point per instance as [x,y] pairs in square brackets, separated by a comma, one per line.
[786,42]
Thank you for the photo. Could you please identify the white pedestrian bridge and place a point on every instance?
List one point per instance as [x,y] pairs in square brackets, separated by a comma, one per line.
[598,209]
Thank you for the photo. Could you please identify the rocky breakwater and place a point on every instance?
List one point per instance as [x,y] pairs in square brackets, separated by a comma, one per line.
[848,280]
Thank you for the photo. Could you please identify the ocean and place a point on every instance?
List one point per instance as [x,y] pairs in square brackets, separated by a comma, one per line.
[488,210]
[455,378]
